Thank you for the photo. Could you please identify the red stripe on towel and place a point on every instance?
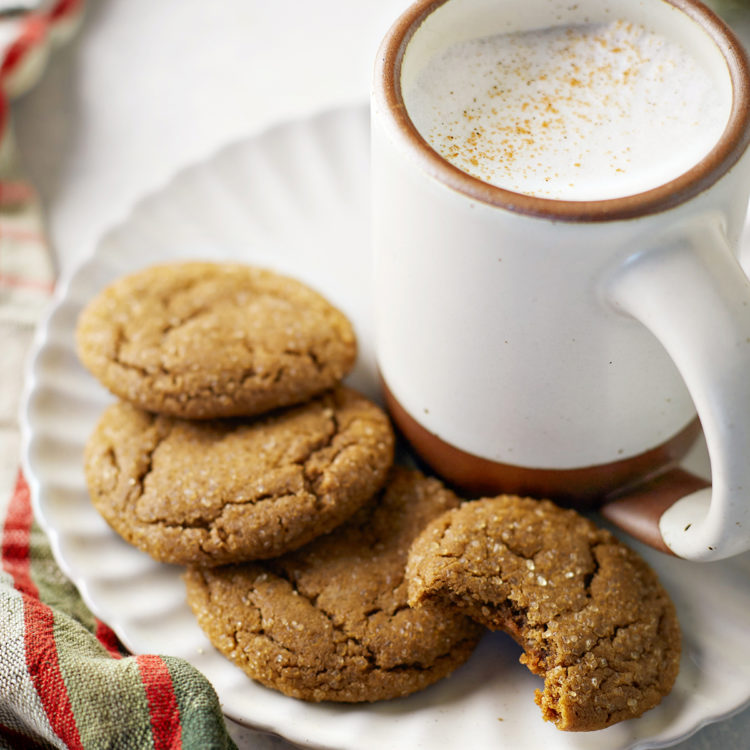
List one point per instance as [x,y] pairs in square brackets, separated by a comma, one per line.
[65,8]
[39,639]
[16,282]
[44,669]
[165,713]
[106,636]
[32,34]
[16,534]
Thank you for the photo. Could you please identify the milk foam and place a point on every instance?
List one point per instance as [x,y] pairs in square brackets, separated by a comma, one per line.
[578,113]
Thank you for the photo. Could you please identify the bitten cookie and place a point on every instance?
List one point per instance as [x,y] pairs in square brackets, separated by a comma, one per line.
[205,340]
[590,614]
[330,621]
[214,492]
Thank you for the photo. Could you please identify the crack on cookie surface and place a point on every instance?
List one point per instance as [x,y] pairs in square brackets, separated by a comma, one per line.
[590,615]
[204,340]
[338,606]
[240,490]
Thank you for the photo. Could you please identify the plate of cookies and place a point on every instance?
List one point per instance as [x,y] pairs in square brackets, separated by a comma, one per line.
[208,452]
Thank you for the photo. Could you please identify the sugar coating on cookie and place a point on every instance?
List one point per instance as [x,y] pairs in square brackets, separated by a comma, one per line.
[220,491]
[204,340]
[590,614]
[330,622]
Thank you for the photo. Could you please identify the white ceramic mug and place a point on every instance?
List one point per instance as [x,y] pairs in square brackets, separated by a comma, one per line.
[563,348]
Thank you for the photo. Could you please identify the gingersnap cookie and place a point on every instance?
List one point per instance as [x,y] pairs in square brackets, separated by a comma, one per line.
[330,622]
[205,340]
[590,614]
[220,491]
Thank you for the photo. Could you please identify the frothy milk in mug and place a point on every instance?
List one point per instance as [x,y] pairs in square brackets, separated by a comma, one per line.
[586,112]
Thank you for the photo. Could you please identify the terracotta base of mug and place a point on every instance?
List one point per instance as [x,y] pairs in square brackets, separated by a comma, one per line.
[639,511]
[583,488]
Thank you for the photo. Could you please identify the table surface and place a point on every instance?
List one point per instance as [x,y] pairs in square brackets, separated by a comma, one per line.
[149,87]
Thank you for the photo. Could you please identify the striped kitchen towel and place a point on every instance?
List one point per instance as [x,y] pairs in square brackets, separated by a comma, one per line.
[65,681]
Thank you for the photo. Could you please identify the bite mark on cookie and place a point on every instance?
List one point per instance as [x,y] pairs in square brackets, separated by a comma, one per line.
[590,614]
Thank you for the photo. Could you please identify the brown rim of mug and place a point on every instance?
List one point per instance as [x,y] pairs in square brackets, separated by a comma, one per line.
[718,161]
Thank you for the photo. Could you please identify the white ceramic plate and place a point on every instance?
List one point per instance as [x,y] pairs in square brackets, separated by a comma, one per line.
[296,199]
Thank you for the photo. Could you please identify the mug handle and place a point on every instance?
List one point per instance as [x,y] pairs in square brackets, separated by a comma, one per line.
[690,291]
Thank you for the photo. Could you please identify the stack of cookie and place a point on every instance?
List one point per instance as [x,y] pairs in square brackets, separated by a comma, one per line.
[313,563]
[235,444]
